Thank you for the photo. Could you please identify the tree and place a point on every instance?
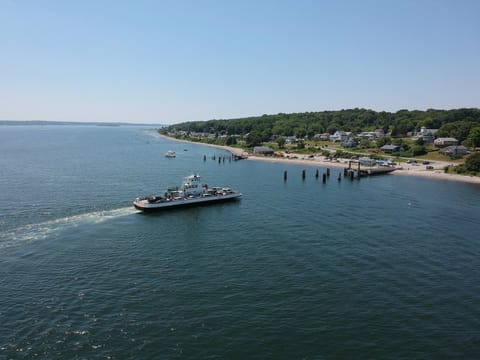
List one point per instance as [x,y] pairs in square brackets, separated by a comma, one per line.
[253,139]
[458,130]
[231,140]
[364,143]
[400,142]
[420,141]
[473,138]
[451,123]
[383,140]
[281,142]
[332,127]
[418,150]
[472,163]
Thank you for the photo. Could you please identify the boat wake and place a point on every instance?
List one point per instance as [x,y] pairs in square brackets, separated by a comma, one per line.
[39,231]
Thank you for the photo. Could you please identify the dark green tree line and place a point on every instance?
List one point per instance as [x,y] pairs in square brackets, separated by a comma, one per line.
[456,123]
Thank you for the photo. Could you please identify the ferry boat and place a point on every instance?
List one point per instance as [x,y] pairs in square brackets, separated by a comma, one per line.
[171,154]
[190,193]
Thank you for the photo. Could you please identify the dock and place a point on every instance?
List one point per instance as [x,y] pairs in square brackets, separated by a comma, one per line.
[362,171]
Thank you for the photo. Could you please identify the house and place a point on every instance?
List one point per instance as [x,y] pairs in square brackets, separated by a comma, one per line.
[368,135]
[290,140]
[322,137]
[390,148]
[441,142]
[349,143]
[263,150]
[428,135]
[454,150]
[424,130]
[428,138]
[371,135]
[340,136]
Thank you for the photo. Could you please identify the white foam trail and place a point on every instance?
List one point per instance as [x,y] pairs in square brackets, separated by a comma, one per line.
[42,230]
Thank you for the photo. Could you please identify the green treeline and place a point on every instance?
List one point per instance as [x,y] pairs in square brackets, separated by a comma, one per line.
[456,123]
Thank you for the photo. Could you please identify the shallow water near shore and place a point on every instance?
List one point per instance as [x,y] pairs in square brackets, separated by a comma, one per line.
[383,267]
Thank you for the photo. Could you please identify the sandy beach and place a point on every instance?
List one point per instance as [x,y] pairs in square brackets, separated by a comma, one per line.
[319,161]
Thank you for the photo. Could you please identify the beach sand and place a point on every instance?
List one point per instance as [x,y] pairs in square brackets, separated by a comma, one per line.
[319,161]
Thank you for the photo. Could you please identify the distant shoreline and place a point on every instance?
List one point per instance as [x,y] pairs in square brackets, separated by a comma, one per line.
[68,123]
[418,171]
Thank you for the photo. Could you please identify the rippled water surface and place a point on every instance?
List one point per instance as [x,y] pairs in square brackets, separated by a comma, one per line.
[384,267]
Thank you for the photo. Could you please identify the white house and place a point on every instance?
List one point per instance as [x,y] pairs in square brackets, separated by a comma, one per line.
[290,140]
[340,136]
[441,142]
[426,134]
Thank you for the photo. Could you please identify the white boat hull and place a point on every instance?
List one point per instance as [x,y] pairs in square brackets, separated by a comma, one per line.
[148,206]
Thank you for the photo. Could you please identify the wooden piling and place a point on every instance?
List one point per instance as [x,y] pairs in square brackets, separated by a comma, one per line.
[328,172]
[316,173]
[303,173]
[324,178]
[285,175]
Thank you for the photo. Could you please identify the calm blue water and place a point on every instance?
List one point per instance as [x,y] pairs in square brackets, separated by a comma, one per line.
[385,267]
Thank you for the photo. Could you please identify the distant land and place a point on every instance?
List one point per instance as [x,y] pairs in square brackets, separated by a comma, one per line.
[64,123]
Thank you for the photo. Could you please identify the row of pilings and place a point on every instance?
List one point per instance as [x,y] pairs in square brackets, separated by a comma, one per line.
[347,174]
[221,158]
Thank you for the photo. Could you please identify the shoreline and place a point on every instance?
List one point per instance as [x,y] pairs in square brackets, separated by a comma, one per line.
[418,170]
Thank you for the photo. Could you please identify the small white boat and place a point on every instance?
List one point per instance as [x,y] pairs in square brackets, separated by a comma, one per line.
[171,154]
[190,193]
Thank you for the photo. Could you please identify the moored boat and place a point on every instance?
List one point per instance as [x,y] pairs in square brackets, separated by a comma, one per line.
[171,154]
[190,193]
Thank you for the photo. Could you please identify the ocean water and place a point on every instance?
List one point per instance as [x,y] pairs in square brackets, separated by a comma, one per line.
[383,267]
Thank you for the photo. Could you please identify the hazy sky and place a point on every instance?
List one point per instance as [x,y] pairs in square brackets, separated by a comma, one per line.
[174,61]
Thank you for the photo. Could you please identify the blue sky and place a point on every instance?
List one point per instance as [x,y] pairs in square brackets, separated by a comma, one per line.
[173,61]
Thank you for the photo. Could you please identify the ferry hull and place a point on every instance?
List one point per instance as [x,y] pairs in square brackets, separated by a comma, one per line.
[183,203]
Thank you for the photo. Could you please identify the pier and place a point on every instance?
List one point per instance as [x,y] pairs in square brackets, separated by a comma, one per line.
[354,171]
[363,170]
